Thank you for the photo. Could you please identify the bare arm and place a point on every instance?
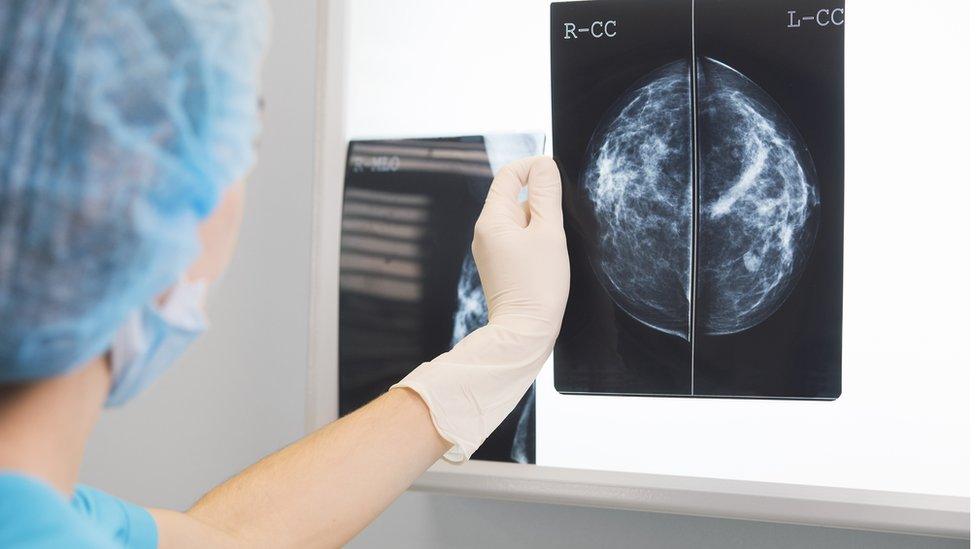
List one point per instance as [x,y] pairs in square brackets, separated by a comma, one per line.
[320,491]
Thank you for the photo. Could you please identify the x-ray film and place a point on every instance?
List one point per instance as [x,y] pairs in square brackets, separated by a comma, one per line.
[408,286]
[701,145]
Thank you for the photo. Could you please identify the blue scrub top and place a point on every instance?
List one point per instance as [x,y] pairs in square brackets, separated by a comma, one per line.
[36,516]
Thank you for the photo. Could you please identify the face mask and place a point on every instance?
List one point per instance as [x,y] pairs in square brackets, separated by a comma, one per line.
[153,337]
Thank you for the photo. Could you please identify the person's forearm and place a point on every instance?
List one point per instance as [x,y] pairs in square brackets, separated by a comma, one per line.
[322,490]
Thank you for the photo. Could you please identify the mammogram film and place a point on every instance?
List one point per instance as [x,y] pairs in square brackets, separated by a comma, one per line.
[702,233]
[408,286]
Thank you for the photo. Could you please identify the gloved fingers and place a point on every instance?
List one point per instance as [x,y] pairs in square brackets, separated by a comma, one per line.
[500,209]
[544,205]
[545,192]
[502,204]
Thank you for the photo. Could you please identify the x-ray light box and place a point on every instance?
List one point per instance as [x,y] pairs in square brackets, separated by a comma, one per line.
[849,163]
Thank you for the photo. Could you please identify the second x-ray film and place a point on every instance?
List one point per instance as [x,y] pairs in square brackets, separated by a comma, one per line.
[408,286]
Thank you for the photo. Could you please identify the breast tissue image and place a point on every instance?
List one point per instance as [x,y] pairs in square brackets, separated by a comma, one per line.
[757,201]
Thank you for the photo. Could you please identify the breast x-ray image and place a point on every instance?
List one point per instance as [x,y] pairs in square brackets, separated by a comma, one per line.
[408,285]
[701,146]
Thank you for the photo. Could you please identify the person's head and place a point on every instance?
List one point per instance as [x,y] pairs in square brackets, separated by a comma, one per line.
[126,129]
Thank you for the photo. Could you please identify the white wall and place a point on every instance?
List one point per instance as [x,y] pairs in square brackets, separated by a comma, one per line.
[240,393]
[421,521]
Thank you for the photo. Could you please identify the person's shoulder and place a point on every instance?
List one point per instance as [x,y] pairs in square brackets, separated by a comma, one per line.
[33,515]
[128,525]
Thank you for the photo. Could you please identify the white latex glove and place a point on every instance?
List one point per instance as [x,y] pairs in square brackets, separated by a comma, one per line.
[520,250]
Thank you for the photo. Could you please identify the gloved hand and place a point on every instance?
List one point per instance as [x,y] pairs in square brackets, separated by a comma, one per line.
[520,250]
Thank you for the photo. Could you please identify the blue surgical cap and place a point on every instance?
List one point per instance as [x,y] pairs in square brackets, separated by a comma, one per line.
[121,123]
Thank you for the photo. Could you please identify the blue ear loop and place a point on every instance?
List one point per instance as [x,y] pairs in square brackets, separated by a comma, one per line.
[121,124]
